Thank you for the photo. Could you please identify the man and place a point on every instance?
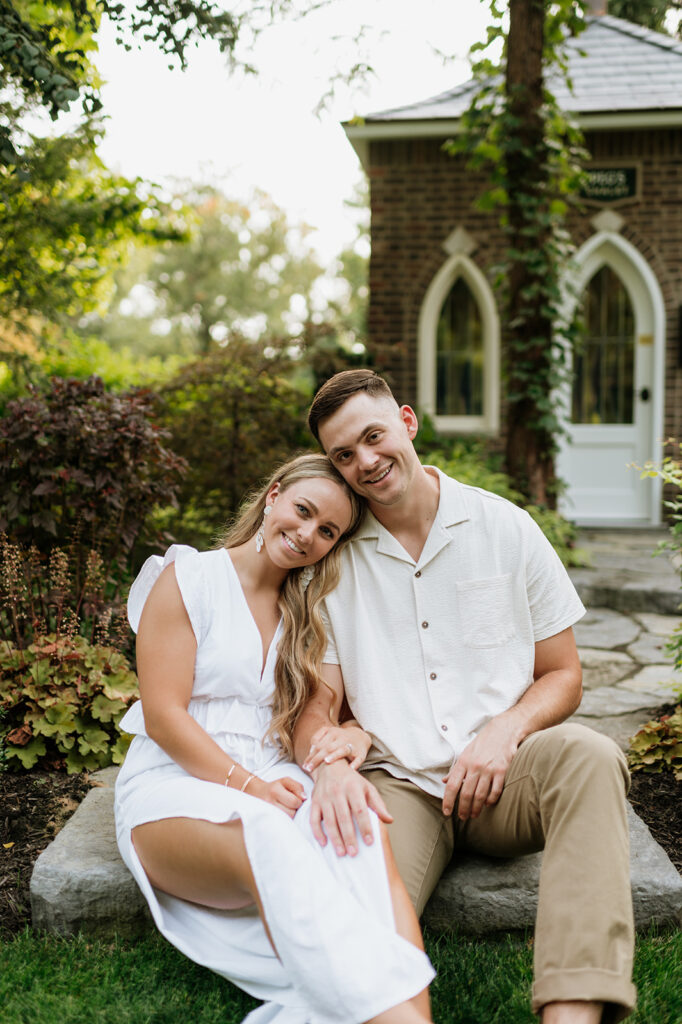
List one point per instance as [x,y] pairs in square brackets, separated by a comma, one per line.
[451,631]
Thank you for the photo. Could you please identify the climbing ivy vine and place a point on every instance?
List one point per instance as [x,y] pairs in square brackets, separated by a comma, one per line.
[531,153]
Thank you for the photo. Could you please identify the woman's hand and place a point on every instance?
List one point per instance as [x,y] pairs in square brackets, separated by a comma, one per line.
[285,793]
[330,743]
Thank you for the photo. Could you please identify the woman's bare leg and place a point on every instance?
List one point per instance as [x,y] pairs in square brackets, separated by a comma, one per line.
[207,863]
[199,861]
[406,921]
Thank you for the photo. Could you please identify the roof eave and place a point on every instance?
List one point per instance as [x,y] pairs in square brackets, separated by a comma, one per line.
[360,135]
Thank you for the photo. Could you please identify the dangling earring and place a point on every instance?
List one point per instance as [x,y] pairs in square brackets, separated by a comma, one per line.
[260,539]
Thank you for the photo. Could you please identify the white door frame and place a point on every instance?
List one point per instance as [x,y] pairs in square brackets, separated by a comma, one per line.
[611,249]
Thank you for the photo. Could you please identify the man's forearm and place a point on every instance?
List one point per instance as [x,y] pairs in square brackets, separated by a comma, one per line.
[313,717]
[547,701]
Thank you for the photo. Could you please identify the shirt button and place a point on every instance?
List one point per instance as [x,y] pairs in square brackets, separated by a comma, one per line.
[418,573]
[425,625]
[433,676]
[444,727]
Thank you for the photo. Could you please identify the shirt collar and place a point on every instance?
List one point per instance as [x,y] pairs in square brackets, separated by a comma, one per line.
[452,505]
[452,509]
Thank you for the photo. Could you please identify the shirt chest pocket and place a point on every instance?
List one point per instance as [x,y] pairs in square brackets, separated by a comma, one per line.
[486,611]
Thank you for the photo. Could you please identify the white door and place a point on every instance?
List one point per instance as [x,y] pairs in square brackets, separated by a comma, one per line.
[614,397]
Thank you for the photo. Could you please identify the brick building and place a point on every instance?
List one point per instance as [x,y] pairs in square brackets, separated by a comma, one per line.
[434,320]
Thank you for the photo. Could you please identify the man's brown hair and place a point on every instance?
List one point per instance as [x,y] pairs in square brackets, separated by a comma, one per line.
[338,389]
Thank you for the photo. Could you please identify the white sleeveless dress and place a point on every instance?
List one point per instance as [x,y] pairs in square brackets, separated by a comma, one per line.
[331,919]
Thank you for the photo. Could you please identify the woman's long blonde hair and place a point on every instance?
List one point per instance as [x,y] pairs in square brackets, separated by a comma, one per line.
[304,640]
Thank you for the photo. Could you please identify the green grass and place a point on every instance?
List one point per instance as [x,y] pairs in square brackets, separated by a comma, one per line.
[46,980]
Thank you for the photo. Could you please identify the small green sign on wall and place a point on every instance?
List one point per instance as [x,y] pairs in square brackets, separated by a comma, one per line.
[610,184]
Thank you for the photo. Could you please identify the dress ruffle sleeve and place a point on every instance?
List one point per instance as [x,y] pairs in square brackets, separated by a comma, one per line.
[190,579]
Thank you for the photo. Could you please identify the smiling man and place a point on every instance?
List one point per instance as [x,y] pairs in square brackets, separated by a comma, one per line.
[451,632]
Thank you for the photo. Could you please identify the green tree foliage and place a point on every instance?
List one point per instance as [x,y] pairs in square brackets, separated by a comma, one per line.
[245,269]
[44,63]
[232,415]
[650,13]
[45,47]
[532,154]
[63,221]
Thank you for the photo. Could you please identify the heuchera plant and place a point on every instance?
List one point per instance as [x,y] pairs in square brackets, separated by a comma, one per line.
[62,699]
[657,746]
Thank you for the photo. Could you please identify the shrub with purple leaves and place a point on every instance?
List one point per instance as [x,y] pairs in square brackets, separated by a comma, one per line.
[82,469]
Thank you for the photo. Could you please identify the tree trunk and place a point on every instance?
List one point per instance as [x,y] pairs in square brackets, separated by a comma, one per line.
[530,448]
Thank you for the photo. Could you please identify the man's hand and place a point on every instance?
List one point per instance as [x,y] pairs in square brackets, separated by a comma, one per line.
[478,774]
[342,797]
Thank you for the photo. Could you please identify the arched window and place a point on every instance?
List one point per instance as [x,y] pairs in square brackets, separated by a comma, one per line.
[459,354]
[459,350]
[604,359]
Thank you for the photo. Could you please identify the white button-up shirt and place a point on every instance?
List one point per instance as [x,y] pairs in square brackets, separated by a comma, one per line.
[432,650]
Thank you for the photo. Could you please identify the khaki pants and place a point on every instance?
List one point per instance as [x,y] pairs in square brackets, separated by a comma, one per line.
[564,793]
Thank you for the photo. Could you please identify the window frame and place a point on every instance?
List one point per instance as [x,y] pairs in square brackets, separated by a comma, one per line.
[458,266]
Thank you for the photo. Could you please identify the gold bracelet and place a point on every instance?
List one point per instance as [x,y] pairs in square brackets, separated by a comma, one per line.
[242,788]
[227,780]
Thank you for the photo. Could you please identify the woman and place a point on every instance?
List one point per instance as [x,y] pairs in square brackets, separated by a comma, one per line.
[210,816]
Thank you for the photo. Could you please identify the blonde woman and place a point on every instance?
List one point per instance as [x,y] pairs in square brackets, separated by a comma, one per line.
[211,814]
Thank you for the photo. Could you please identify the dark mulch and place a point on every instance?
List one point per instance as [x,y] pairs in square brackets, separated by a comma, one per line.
[658,801]
[35,805]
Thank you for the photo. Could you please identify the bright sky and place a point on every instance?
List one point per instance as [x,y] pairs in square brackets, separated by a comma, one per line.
[260,132]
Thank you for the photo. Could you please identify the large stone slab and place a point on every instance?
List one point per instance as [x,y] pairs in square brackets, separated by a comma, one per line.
[603,668]
[80,883]
[617,700]
[479,895]
[621,728]
[663,680]
[605,629]
[621,592]
[623,573]
[648,649]
[659,625]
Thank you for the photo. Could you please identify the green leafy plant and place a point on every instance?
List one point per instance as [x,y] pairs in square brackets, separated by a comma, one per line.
[40,595]
[82,469]
[531,154]
[62,699]
[3,747]
[670,472]
[232,416]
[657,747]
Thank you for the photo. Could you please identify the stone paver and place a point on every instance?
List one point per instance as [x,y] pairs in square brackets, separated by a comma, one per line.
[80,882]
[615,700]
[602,668]
[659,625]
[648,649]
[621,728]
[605,629]
[662,680]
[625,575]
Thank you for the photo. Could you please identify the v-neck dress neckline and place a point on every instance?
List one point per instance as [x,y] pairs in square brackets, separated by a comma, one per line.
[264,657]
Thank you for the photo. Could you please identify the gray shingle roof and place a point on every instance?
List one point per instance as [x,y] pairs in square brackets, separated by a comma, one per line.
[615,66]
